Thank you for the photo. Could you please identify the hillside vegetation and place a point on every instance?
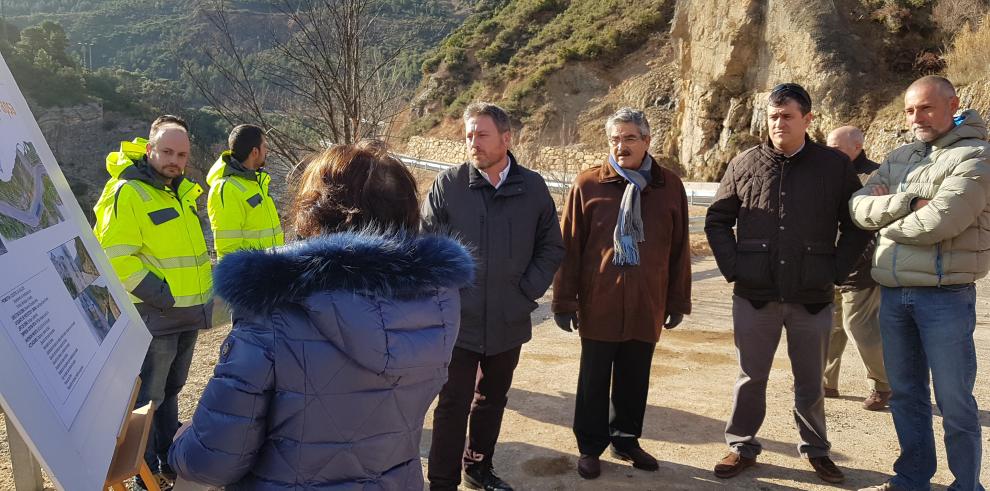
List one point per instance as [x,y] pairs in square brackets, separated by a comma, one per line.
[699,69]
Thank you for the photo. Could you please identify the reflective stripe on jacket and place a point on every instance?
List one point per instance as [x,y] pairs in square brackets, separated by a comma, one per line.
[153,237]
[242,213]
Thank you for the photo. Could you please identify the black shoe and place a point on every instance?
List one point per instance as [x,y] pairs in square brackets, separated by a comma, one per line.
[480,476]
[639,458]
[589,467]
[168,473]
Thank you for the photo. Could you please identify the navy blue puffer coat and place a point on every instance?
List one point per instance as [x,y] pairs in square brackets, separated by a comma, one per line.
[339,345]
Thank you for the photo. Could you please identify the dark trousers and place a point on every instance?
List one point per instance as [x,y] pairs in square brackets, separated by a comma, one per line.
[163,374]
[477,387]
[625,366]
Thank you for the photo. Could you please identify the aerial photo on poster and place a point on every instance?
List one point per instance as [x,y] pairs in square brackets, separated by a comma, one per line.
[74,266]
[99,310]
[28,199]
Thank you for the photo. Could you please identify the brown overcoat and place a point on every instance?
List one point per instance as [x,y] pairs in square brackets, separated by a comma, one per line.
[621,303]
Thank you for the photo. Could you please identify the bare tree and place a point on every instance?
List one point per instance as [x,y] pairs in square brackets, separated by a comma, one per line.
[329,76]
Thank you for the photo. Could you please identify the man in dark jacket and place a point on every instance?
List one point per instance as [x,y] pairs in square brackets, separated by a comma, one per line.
[787,200]
[505,213]
[627,271]
[857,307]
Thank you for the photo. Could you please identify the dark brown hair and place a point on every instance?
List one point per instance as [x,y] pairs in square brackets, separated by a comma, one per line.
[350,187]
[244,138]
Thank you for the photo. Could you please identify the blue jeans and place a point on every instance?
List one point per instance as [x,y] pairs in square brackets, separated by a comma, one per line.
[163,374]
[931,329]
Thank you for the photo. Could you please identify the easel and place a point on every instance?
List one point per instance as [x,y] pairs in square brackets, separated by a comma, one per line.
[27,471]
[128,455]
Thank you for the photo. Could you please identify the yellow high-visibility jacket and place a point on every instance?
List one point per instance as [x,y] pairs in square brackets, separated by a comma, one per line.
[242,213]
[153,236]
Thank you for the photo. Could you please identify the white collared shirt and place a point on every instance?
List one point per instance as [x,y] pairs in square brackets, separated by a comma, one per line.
[797,151]
[501,175]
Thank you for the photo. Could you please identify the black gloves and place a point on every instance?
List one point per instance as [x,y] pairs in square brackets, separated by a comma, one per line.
[565,319]
[673,320]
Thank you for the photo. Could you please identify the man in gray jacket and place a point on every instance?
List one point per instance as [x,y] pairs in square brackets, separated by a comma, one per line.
[505,214]
[929,200]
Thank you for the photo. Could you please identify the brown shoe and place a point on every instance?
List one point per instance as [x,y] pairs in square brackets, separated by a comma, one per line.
[877,400]
[639,458]
[831,393]
[732,464]
[589,467]
[826,470]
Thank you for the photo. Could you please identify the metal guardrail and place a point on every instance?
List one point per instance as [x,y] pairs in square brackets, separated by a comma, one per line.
[698,193]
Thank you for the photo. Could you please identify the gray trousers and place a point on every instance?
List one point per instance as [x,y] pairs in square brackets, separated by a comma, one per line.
[757,334]
[857,315]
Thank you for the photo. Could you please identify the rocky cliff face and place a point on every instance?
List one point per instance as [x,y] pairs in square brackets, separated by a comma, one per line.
[703,77]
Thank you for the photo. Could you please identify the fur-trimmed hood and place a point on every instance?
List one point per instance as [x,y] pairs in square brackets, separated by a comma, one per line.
[391,265]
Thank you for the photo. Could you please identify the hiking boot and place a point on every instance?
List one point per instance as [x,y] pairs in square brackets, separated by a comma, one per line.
[887,486]
[589,467]
[639,458]
[877,401]
[481,476]
[831,393]
[732,464]
[826,470]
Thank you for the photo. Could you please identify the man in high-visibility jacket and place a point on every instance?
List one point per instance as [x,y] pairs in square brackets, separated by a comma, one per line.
[242,213]
[147,223]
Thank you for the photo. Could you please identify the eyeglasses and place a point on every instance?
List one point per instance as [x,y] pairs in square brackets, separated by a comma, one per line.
[627,140]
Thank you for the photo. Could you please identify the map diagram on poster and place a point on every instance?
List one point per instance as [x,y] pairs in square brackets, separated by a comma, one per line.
[71,341]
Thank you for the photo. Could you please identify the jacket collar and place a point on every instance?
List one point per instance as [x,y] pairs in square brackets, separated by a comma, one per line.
[514,182]
[184,188]
[863,164]
[772,151]
[226,166]
[972,126]
[391,265]
[607,174]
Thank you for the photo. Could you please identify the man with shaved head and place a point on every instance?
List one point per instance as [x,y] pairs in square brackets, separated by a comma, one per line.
[148,225]
[857,300]
[929,202]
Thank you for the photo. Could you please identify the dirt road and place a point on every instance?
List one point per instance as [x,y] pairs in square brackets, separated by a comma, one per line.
[691,394]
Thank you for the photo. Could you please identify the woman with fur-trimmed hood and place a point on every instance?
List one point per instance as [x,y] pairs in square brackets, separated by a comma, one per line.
[340,341]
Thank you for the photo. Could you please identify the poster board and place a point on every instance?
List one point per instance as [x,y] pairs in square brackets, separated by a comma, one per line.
[71,341]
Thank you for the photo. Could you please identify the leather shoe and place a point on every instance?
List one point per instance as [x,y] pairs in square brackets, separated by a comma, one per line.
[731,465]
[831,393]
[639,458]
[877,400]
[483,477]
[589,467]
[826,470]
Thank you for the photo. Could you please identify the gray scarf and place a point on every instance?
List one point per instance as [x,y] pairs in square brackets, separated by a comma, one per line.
[629,227]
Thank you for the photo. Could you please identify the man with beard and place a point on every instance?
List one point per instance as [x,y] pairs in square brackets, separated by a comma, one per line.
[242,212]
[505,214]
[148,225]
[929,202]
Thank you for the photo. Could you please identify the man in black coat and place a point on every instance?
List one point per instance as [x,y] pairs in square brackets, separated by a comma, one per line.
[505,214]
[857,300]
